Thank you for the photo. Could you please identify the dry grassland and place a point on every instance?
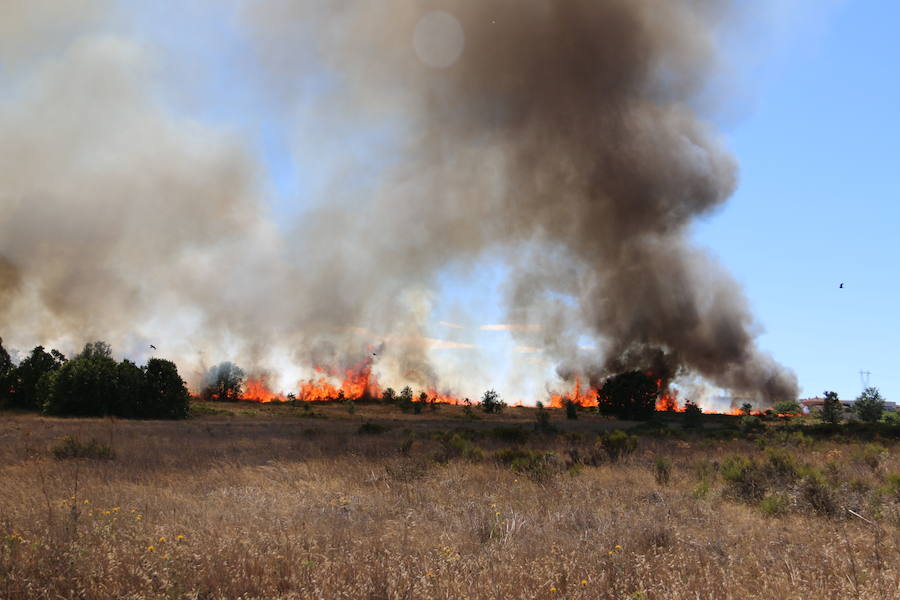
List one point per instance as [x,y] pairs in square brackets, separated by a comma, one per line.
[263,504]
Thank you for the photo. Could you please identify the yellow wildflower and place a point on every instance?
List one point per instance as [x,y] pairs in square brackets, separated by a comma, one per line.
[618,547]
[150,548]
[552,590]
[584,582]
[179,538]
[162,539]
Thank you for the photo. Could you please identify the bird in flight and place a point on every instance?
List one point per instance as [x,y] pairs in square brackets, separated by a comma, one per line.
[152,346]
[841,286]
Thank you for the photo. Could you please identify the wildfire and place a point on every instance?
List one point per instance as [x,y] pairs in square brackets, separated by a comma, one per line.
[586,397]
[667,401]
[256,390]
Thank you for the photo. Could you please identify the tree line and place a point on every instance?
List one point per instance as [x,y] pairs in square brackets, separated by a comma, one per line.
[92,383]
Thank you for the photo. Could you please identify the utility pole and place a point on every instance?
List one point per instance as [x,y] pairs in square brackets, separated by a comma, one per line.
[864,379]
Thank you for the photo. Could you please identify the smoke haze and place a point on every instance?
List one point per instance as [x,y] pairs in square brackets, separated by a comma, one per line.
[564,138]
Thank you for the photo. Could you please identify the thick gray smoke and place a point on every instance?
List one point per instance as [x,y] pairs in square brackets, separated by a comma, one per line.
[562,136]
[568,133]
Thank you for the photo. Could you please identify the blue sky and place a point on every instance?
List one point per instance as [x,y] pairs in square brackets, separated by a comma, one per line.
[818,198]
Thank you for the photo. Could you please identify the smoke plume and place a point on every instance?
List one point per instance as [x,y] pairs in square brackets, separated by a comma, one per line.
[565,137]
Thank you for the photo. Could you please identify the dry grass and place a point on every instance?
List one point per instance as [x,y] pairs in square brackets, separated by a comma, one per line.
[274,506]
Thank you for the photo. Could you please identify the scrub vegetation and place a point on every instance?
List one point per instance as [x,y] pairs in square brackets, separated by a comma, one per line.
[256,501]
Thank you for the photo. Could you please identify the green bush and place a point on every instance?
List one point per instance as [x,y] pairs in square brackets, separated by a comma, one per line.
[542,420]
[72,447]
[750,424]
[744,478]
[531,463]
[618,444]
[456,446]
[571,410]
[774,505]
[816,493]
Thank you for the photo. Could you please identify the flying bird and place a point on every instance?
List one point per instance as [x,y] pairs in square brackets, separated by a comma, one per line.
[841,286]
[152,346]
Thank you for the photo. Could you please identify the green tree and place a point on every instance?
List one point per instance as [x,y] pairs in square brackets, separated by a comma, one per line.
[491,402]
[167,395]
[746,408]
[832,410]
[223,382]
[85,385]
[630,396]
[25,378]
[571,409]
[869,406]
[131,391]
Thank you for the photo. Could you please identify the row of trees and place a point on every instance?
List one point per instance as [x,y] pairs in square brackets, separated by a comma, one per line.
[868,407]
[92,384]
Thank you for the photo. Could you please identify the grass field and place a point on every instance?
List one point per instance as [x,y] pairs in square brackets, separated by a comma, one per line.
[256,501]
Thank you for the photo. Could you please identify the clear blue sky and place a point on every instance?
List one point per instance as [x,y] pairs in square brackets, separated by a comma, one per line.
[815,131]
[818,200]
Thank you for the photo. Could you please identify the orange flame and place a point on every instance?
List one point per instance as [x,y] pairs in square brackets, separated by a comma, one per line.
[256,390]
[587,397]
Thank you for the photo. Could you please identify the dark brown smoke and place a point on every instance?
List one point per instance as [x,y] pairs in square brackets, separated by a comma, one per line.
[567,132]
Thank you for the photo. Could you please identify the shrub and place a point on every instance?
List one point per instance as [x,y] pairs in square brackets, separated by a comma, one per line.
[692,415]
[749,424]
[456,446]
[787,407]
[531,463]
[571,410]
[630,395]
[662,470]
[369,428]
[815,492]
[491,402]
[542,420]
[618,444]
[72,447]
[774,505]
[405,400]
[744,478]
